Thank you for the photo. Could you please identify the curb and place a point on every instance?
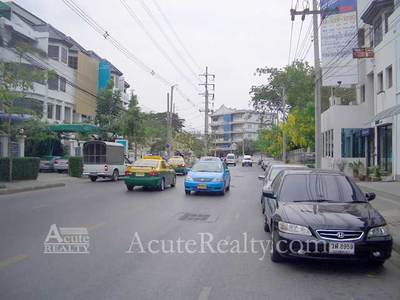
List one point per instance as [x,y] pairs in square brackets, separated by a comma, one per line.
[30,188]
[396,243]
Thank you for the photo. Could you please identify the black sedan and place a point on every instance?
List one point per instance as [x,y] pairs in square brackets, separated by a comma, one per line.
[319,214]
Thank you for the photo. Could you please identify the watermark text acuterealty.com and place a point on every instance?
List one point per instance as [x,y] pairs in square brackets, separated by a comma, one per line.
[203,243]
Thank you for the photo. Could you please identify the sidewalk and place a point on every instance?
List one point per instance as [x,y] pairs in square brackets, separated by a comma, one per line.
[388,204]
[44,181]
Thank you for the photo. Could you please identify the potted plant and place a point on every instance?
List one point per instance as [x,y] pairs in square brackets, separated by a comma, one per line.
[341,164]
[356,166]
[376,173]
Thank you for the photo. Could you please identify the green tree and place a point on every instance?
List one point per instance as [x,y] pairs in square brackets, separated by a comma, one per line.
[109,110]
[297,80]
[300,127]
[132,124]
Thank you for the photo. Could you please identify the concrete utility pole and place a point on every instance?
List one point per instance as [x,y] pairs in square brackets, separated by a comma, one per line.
[284,156]
[318,76]
[318,84]
[168,125]
[206,94]
[171,112]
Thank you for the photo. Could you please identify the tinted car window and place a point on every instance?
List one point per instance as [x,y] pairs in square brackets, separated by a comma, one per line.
[321,187]
[207,166]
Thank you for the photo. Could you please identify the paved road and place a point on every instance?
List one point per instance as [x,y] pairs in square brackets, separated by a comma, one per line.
[112,216]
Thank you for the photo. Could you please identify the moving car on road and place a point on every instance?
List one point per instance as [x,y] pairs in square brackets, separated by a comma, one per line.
[150,172]
[319,214]
[208,176]
[178,164]
[230,159]
[104,159]
[247,161]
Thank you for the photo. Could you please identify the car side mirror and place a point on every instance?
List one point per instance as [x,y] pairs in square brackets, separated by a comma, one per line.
[269,194]
[261,177]
[370,196]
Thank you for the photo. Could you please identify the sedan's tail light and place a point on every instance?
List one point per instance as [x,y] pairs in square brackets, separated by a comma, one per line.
[153,173]
[105,168]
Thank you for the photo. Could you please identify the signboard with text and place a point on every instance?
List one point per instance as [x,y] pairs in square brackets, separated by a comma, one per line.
[338,38]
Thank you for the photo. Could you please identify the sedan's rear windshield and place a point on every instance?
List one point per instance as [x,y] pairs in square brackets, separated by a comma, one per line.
[146,163]
[207,166]
[230,156]
[325,187]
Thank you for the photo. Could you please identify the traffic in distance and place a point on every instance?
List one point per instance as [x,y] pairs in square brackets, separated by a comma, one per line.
[309,213]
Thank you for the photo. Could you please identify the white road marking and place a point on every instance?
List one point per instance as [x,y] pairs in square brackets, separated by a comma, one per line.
[205,293]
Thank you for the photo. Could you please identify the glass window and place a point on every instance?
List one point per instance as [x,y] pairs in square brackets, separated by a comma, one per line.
[312,187]
[64,55]
[73,62]
[50,108]
[353,143]
[378,35]
[362,93]
[53,52]
[207,167]
[58,112]
[389,77]
[146,163]
[63,84]
[380,82]
[53,83]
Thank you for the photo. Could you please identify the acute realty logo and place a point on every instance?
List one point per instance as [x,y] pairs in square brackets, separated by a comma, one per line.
[67,240]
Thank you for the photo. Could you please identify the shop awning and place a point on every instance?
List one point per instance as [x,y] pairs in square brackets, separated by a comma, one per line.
[81,128]
[390,112]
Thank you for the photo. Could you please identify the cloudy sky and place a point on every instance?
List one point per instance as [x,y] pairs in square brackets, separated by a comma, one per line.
[231,37]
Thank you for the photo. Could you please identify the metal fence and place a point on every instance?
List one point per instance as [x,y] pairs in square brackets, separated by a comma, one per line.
[301,156]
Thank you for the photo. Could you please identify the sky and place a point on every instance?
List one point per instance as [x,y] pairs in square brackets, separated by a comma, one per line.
[231,37]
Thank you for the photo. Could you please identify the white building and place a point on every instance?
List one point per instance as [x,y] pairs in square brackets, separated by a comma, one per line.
[70,96]
[369,129]
[231,127]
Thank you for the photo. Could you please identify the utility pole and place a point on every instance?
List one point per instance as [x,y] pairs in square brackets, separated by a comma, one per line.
[284,156]
[206,95]
[318,75]
[168,126]
[318,84]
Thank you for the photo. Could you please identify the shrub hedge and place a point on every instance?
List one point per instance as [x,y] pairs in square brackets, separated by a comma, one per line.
[24,168]
[75,165]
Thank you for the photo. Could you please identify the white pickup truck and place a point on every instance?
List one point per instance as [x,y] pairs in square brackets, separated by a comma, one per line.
[104,160]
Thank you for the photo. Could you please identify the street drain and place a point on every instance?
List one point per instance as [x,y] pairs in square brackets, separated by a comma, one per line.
[193,217]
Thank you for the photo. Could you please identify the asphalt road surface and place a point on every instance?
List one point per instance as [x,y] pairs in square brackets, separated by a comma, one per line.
[119,223]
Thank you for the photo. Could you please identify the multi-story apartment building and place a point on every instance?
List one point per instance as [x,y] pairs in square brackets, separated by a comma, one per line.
[230,128]
[70,95]
[369,129]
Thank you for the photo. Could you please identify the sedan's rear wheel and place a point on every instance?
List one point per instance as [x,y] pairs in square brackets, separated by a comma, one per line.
[130,187]
[93,178]
[187,192]
[161,187]
[173,184]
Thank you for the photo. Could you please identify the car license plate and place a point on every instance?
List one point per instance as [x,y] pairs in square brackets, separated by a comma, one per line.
[341,248]
[202,186]
[139,174]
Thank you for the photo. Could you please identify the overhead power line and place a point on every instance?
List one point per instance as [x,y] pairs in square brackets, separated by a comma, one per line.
[139,22]
[104,33]
[166,20]
[167,38]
